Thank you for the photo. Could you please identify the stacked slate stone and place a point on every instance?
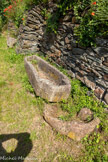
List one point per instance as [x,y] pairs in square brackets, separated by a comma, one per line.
[90,65]
[12,29]
[31,33]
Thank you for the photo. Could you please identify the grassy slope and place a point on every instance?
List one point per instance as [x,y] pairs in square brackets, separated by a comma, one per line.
[21,111]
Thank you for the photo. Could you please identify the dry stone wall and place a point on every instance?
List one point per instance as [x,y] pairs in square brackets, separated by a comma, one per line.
[90,65]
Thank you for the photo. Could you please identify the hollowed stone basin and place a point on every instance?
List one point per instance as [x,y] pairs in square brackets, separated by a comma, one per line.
[48,82]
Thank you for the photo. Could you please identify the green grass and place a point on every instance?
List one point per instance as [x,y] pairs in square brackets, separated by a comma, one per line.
[20,109]
[15,90]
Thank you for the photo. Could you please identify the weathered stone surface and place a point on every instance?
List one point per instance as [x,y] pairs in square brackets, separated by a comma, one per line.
[77,51]
[85,114]
[71,74]
[67,18]
[99,92]
[95,59]
[11,41]
[104,69]
[32,26]
[101,42]
[105,77]
[105,62]
[12,29]
[30,37]
[31,19]
[62,43]
[89,82]
[36,15]
[74,129]
[73,43]
[101,50]
[96,73]
[79,76]
[106,98]
[89,51]
[67,41]
[100,82]
[28,29]
[74,20]
[47,81]
[69,47]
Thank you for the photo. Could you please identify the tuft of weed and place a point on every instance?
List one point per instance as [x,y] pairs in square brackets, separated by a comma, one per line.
[2,83]
[26,83]
[95,148]
[13,58]
[79,99]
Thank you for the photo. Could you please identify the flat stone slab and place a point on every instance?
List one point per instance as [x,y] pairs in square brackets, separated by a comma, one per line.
[74,129]
[48,82]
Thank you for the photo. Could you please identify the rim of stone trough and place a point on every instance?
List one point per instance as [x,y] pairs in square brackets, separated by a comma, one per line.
[75,129]
[54,87]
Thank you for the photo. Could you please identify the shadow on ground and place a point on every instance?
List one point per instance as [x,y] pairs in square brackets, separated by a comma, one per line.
[24,146]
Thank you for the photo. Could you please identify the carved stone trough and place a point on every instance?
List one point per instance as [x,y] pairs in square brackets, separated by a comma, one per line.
[75,129]
[48,82]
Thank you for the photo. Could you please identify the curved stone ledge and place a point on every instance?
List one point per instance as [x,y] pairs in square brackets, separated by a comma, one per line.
[74,129]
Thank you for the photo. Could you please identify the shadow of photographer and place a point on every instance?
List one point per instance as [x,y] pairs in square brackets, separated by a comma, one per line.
[24,146]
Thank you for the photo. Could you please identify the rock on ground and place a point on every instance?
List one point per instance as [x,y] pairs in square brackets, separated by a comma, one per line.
[11,41]
[85,114]
[74,129]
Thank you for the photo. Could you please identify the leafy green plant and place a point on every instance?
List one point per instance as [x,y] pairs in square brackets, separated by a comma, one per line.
[16,10]
[93,22]
[94,146]
[52,23]
[91,15]
[26,84]
[86,32]
[3,5]
[79,99]
[1,23]
[2,83]
[13,58]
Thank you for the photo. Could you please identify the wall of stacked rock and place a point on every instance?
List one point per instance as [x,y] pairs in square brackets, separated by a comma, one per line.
[90,65]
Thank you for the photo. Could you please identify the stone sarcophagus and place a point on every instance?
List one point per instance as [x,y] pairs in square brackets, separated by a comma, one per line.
[48,82]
